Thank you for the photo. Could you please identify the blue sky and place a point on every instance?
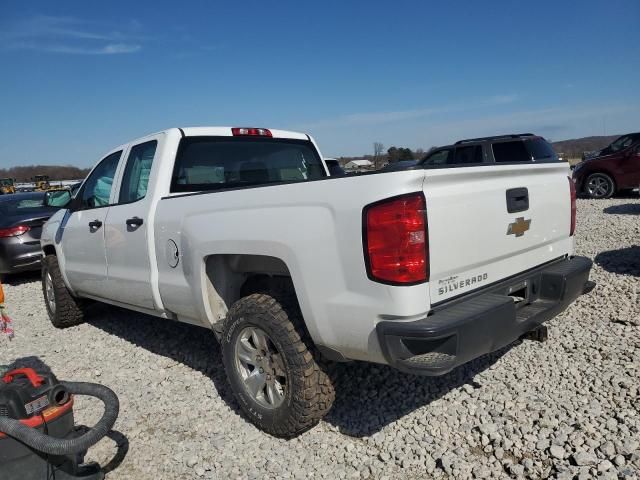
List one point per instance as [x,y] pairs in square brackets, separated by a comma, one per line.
[78,77]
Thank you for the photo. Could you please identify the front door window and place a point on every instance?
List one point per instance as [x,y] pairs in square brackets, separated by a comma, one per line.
[97,188]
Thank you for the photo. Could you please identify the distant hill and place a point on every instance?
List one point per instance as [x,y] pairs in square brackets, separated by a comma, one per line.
[55,172]
[575,147]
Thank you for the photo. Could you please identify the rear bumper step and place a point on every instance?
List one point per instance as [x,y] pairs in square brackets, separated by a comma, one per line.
[457,333]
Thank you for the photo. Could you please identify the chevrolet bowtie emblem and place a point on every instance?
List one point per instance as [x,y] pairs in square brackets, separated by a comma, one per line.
[518,227]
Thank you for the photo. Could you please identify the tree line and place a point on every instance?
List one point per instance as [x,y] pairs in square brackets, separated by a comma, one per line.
[55,172]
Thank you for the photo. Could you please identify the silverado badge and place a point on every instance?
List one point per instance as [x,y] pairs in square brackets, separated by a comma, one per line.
[518,227]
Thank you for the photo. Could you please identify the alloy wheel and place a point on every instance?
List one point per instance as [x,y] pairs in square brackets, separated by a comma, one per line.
[261,367]
[50,293]
[598,186]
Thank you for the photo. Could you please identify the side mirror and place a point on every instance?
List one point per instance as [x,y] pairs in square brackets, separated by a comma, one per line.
[57,198]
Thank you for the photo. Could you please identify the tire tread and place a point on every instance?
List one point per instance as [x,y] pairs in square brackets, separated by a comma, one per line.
[69,310]
[313,390]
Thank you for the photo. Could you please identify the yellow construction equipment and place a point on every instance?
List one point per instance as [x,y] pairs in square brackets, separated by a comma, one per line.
[7,185]
[42,183]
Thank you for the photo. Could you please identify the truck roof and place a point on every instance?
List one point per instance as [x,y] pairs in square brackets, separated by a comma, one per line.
[226,132]
[495,137]
[214,132]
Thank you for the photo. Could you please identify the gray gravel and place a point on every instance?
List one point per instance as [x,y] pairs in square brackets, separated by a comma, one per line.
[567,408]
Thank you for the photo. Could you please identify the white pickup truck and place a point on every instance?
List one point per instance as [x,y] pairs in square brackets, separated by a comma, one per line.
[244,231]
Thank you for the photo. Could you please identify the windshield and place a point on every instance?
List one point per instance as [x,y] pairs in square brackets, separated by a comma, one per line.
[620,144]
[218,163]
[6,181]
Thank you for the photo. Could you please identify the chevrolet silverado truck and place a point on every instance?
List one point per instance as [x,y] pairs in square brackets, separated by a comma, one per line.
[243,231]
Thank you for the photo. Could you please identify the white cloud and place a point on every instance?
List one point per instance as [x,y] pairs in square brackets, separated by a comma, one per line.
[70,35]
[109,49]
[376,118]
[120,48]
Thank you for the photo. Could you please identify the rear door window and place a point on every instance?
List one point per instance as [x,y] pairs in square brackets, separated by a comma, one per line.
[510,152]
[136,174]
[219,163]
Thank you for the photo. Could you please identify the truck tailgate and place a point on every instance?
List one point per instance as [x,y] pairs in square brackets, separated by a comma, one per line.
[475,241]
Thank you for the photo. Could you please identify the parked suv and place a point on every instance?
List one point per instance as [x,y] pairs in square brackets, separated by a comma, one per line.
[615,168]
[503,149]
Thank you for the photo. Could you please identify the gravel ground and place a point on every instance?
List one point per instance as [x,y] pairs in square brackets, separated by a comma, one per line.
[567,408]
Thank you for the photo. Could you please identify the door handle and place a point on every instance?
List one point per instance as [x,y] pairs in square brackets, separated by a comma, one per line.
[517,200]
[134,222]
[96,224]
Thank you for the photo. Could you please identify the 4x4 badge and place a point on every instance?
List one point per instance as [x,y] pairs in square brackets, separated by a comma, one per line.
[518,227]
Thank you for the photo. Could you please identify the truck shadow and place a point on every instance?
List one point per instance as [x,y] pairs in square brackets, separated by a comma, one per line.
[375,396]
[193,346]
[625,209]
[624,261]
[368,396]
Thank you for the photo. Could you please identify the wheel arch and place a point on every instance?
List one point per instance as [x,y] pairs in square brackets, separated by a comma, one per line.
[229,277]
[50,249]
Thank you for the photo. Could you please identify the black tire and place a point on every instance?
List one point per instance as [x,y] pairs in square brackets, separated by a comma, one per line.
[67,311]
[599,185]
[309,392]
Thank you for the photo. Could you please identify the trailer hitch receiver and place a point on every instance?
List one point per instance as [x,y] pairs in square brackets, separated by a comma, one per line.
[539,334]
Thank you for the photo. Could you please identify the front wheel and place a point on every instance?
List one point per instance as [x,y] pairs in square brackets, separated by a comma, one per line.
[599,185]
[278,382]
[63,308]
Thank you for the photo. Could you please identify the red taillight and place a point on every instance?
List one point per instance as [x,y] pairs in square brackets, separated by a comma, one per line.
[395,240]
[250,132]
[13,231]
[572,189]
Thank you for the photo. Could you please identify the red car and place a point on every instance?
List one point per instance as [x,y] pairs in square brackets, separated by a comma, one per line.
[615,168]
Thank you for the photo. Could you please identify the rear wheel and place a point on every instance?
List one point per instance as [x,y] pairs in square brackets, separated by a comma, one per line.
[280,385]
[599,185]
[63,308]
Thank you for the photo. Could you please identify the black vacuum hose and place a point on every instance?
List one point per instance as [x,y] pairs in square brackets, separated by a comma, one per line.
[61,446]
